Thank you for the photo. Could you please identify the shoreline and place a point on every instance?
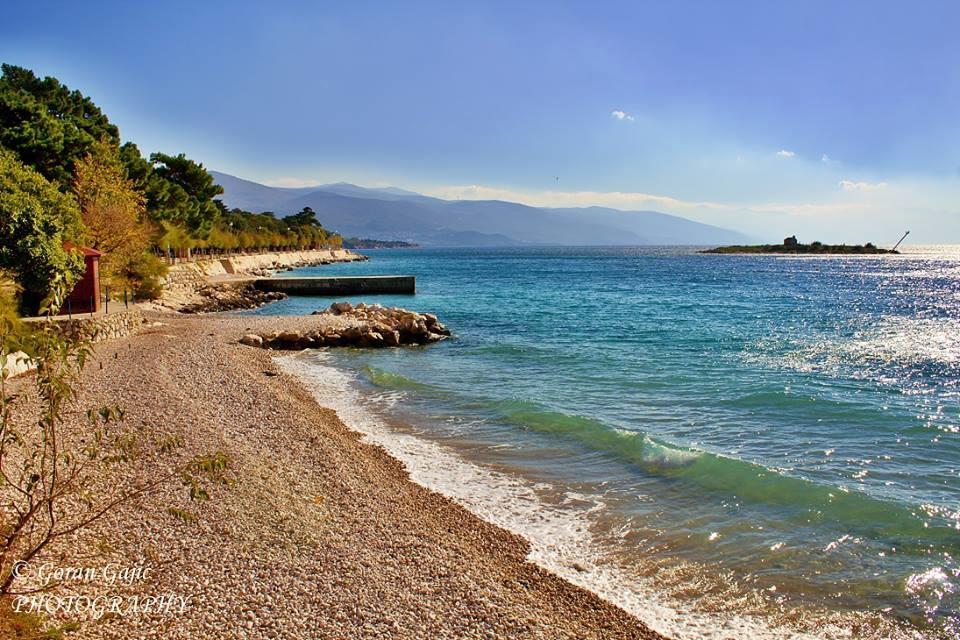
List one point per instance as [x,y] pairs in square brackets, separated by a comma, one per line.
[558,539]
[322,533]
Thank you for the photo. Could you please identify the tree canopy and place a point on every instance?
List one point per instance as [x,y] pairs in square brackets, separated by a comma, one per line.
[36,218]
[306,218]
[181,191]
[47,125]
[114,216]
[65,176]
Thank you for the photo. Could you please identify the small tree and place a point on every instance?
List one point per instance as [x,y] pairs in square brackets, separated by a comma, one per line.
[112,209]
[49,125]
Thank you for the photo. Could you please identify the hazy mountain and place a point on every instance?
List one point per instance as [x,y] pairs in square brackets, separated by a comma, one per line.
[657,228]
[397,214]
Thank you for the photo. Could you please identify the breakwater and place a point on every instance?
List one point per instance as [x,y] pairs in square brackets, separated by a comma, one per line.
[338,286]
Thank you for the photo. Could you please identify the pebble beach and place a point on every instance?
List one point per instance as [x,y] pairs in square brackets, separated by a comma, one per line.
[318,535]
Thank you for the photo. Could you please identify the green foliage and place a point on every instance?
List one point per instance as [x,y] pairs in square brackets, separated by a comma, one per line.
[35,220]
[173,236]
[306,218]
[370,243]
[179,195]
[144,272]
[181,191]
[112,211]
[238,229]
[10,320]
[21,625]
[63,136]
[170,443]
[212,468]
[137,167]
[49,126]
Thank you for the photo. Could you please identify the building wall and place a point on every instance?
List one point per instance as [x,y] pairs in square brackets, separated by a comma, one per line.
[88,289]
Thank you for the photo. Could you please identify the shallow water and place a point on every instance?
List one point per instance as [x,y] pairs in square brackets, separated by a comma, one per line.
[743,435]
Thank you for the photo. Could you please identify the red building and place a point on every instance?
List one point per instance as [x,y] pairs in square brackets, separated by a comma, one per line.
[85,296]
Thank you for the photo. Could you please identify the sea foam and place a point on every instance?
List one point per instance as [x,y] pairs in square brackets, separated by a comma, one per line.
[560,539]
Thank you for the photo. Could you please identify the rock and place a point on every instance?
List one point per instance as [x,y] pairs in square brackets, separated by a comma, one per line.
[252,340]
[363,326]
[371,339]
[288,337]
[230,296]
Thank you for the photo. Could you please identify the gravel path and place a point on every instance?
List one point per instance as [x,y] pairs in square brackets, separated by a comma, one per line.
[320,536]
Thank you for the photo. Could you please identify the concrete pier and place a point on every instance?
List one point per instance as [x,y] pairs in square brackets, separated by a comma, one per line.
[339,286]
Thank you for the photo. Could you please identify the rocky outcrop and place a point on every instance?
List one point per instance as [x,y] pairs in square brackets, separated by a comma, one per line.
[359,326]
[230,297]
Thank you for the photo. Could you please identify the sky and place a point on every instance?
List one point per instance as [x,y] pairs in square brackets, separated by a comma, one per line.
[837,121]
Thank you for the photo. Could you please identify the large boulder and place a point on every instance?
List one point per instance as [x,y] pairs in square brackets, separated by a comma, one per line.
[338,308]
[288,337]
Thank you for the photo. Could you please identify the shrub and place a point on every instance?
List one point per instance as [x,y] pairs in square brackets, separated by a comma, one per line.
[35,220]
[144,273]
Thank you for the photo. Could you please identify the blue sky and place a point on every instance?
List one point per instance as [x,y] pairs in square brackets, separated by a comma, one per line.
[839,120]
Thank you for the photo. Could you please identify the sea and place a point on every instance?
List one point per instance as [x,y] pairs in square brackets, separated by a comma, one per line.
[727,446]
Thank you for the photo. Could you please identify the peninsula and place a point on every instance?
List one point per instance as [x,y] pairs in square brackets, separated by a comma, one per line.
[791,246]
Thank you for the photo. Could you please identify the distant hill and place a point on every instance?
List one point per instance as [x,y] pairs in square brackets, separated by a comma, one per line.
[397,214]
[371,243]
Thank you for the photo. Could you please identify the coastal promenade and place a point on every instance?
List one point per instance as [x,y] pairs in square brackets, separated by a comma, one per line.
[198,285]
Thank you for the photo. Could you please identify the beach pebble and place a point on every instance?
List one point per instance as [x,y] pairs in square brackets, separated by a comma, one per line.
[252,340]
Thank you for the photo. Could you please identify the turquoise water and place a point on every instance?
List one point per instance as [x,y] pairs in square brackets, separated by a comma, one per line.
[782,433]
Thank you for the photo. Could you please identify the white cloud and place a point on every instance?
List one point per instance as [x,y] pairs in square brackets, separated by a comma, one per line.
[926,207]
[824,158]
[850,185]
[621,115]
[613,199]
[783,153]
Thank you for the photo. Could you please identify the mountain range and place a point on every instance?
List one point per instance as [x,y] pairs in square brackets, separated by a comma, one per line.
[397,214]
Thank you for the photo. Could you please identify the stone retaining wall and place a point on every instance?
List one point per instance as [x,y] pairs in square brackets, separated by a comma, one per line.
[186,273]
[92,328]
[188,284]
[103,327]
